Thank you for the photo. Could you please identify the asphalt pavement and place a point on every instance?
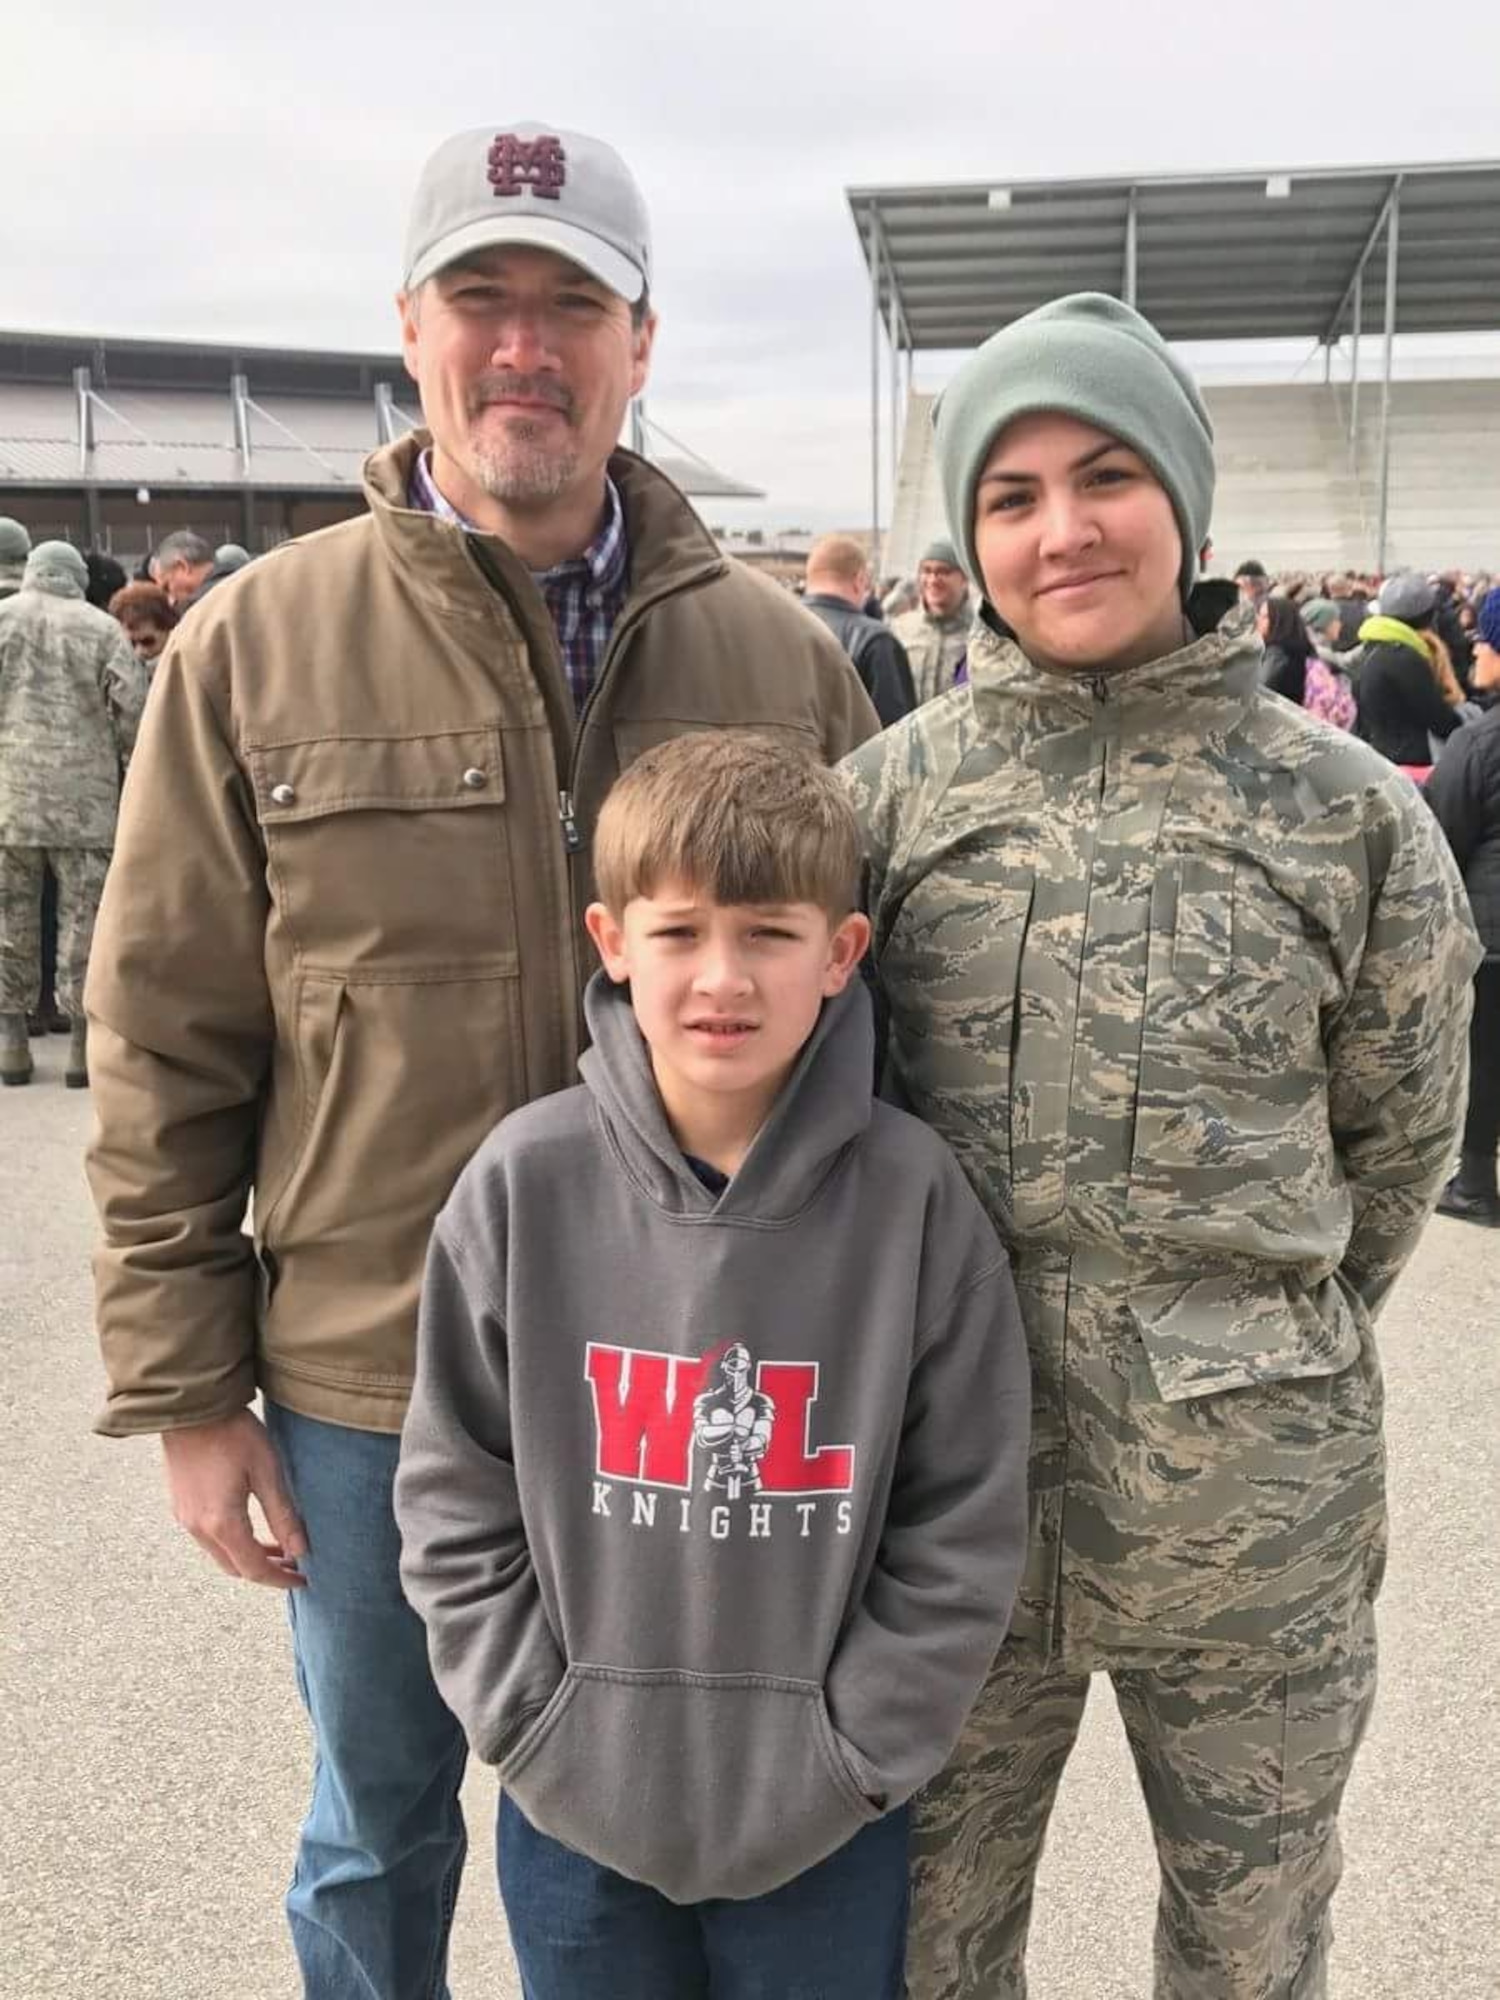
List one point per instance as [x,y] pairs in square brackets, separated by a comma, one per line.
[155,1761]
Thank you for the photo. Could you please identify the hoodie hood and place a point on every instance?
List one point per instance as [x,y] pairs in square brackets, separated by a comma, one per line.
[831,1088]
[58,569]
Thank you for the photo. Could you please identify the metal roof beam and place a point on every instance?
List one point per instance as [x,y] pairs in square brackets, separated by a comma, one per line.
[1331,330]
[1242,177]
[1214,258]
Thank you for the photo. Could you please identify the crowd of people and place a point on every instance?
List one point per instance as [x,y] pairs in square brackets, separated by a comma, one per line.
[754,1471]
[1326,639]
[79,645]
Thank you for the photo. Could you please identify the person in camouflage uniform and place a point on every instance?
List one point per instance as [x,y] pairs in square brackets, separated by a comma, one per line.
[936,633]
[71,694]
[1182,974]
[15,547]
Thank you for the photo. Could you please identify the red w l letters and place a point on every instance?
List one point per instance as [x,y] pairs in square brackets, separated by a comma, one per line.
[643,1411]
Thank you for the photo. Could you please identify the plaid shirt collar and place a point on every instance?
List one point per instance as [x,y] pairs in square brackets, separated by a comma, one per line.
[585,594]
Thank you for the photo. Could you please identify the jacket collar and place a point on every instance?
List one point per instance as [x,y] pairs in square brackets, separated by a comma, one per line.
[1217,672]
[1383,631]
[51,583]
[670,549]
[952,621]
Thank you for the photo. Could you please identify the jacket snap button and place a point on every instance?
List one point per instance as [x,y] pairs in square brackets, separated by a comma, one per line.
[282,795]
[475,779]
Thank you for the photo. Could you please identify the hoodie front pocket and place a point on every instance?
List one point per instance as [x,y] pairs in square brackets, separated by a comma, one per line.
[701,1785]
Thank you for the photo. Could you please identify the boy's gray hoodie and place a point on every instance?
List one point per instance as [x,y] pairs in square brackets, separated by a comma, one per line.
[714,1509]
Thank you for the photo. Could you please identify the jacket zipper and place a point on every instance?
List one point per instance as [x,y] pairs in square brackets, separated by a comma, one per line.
[1099,686]
[567,819]
[626,624]
[572,840]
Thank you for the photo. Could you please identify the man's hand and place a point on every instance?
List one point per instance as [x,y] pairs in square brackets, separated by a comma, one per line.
[212,1472]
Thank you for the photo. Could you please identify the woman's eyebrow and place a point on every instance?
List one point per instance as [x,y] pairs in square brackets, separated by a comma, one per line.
[1078,465]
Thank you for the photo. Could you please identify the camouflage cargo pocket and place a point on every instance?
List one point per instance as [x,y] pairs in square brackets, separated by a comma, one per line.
[1253,1486]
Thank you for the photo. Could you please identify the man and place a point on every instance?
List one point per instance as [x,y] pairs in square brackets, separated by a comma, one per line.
[936,634]
[838,587]
[1254,584]
[342,938]
[15,547]
[46,1016]
[1464,793]
[71,694]
[106,576]
[187,568]
[1353,603]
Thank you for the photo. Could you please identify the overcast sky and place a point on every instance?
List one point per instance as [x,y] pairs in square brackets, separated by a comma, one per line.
[241,172]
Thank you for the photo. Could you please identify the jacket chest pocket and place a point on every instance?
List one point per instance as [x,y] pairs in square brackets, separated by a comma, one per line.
[389,856]
[1231,1145]
[951,972]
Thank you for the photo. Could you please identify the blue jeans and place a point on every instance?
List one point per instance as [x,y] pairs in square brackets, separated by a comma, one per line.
[582,1932]
[371,1901]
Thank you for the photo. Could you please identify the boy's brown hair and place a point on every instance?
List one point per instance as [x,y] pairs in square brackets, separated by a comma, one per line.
[739,817]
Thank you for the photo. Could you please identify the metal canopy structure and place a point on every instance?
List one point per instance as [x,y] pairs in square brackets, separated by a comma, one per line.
[98,416]
[1290,254]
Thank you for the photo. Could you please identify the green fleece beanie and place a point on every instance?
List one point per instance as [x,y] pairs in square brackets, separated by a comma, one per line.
[942,551]
[1090,357]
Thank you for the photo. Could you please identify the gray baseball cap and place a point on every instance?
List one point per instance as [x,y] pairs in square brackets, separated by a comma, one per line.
[532,184]
[1406,595]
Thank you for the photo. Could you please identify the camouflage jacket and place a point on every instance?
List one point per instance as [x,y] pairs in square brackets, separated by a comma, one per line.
[1182,975]
[71,695]
[934,647]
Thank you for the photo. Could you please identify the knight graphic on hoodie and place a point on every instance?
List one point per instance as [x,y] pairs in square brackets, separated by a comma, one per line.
[712,1492]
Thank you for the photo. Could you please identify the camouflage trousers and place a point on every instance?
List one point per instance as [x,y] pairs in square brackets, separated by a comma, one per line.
[1242,1773]
[80,873]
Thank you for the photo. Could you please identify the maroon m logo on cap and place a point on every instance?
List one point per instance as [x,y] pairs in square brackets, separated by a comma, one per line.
[538,164]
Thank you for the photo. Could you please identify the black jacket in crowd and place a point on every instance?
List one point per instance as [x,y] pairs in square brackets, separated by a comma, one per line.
[1400,704]
[1283,674]
[878,655]
[1464,792]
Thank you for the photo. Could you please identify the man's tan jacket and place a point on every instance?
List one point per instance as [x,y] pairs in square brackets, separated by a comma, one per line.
[341,936]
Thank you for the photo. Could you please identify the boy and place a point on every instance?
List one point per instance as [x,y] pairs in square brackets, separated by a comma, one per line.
[712,1490]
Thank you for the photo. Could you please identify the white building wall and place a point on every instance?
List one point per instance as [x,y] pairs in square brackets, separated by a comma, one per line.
[1288,491]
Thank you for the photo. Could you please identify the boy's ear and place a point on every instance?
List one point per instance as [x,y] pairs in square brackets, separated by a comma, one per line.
[846,947]
[609,940]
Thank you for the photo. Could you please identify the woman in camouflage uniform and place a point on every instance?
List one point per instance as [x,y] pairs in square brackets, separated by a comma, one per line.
[1182,975]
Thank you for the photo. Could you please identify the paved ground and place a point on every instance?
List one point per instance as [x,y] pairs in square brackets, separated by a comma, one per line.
[154,1758]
